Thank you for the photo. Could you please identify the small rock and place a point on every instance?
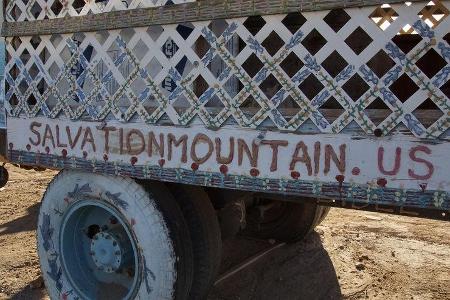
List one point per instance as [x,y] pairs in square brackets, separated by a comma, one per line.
[393,254]
[341,247]
[363,258]
[360,267]
[374,218]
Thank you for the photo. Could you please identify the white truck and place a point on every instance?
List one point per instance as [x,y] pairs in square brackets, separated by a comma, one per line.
[178,124]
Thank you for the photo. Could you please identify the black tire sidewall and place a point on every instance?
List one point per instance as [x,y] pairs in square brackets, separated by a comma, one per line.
[204,230]
[295,223]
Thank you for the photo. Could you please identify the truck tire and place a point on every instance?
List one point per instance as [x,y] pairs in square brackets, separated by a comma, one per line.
[325,211]
[107,237]
[287,222]
[205,234]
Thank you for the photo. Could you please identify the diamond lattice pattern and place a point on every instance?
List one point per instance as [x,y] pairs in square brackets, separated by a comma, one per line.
[328,71]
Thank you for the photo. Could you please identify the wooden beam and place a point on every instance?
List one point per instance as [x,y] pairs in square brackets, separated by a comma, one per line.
[200,10]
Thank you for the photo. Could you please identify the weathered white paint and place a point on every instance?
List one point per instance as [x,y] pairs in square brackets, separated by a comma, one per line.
[418,162]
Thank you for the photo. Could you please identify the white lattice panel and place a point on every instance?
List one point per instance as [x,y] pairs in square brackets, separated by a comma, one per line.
[374,68]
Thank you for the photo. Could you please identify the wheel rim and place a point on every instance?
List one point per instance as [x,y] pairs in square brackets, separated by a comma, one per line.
[99,252]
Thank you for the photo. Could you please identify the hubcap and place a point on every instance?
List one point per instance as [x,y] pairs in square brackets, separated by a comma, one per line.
[106,252]
[98,251]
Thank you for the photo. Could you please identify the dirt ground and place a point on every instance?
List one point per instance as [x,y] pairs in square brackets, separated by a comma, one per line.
[352,255]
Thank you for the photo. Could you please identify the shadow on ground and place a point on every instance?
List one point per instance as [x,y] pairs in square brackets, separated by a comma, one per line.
[30,294]
[25,223]
[296,271]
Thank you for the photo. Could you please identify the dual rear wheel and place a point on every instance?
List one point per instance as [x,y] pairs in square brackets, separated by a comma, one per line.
[109,237]
[104,237]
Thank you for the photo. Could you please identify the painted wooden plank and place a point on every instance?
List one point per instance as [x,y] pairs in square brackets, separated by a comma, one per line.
[172,14]
[400,162]
[21,10]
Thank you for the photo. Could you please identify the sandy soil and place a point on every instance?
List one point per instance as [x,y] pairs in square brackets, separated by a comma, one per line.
[352,255]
